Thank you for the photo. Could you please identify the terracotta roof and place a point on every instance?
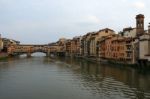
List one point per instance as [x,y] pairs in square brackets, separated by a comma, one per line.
[128,29]
[140,16]
[106,29]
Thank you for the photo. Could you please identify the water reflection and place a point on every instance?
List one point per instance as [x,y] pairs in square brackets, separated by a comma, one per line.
[110,81]
[41,77]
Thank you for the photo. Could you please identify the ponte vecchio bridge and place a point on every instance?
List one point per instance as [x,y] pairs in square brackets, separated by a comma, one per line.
[28,49]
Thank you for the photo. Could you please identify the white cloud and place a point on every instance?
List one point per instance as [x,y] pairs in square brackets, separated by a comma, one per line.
[139,4]
[54,18]
[88,21]
[92,19]
[124,0]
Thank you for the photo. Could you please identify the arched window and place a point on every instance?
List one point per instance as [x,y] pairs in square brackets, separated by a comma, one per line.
[141,25]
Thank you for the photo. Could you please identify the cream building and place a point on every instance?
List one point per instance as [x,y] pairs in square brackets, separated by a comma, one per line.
[129,32]
[137,35]
[85,44]
[94,40]
[144,46]
[61,44]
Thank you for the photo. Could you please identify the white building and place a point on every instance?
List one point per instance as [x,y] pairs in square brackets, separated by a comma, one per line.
[144,46]
[129,32]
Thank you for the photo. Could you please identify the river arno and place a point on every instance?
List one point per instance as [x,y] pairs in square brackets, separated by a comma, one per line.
[39,77]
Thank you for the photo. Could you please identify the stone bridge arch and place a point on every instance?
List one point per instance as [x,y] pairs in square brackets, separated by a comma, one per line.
[28,49]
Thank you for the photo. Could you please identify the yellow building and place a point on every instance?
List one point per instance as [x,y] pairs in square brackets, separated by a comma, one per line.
[93,41]
[53,47]
[8,42]
[61,45]
[89,43]
[68,47]
[1,43]
[86,44]
[76,46]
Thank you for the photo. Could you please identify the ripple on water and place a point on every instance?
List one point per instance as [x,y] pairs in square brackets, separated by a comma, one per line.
[39,77]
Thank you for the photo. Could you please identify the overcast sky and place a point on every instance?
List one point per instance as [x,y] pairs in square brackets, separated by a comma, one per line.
[44,21]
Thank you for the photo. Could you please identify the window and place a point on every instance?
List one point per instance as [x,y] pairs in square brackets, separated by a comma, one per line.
[106,31]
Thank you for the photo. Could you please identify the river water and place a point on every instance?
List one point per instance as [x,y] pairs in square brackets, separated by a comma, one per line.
[40,77]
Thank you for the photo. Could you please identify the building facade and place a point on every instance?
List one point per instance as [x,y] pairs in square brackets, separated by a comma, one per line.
[1,43]
[8,42]
[116,48]
[144,47]
[129,46]
[94,40]
[129,32]
[68,48]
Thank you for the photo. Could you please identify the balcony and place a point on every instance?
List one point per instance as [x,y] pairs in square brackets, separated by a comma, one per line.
[129,56]
[128,44]
[128,50]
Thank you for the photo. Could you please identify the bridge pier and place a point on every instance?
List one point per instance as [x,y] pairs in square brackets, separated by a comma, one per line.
[48,53]
[28,54]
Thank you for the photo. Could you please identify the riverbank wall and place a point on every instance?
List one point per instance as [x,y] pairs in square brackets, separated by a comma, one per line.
[113,62]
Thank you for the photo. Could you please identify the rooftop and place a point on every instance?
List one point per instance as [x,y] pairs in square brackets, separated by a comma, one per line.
[139,16]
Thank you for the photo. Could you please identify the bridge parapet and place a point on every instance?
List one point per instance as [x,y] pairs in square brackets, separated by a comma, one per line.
[19,49]
[29,49]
